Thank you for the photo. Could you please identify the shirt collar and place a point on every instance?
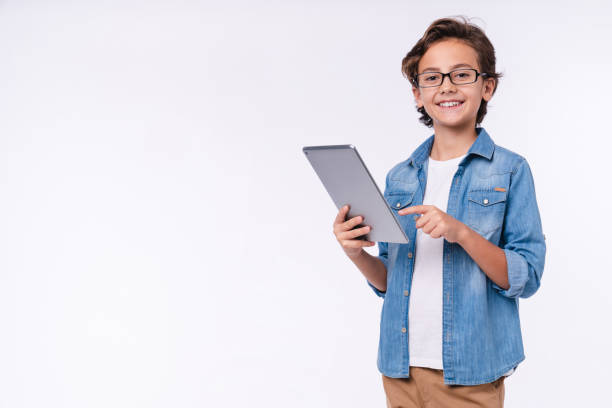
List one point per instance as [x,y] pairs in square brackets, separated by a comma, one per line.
[482,146]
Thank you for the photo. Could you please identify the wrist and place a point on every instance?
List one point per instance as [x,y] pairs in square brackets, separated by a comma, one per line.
[357,255]
[464,234]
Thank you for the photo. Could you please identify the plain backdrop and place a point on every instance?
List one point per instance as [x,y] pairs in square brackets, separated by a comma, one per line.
[165,243]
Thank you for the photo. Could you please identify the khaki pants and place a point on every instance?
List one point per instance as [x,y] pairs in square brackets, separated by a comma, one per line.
[426,389]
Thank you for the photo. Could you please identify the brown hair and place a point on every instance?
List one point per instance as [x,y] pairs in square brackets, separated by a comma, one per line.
[465,31]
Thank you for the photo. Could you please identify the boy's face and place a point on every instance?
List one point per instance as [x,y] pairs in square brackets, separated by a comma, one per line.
[444,56]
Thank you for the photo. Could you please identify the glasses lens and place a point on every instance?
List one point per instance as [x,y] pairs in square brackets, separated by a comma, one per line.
[463,76]
[430,79]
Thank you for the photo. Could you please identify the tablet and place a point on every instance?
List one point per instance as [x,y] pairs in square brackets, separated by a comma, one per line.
[348,181]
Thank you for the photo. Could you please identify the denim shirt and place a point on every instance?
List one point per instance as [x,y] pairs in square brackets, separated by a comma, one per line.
[493,193]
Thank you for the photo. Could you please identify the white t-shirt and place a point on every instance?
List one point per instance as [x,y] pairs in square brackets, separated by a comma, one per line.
[425,312]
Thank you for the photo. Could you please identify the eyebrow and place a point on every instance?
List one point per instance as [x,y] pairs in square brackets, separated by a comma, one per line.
[453,67]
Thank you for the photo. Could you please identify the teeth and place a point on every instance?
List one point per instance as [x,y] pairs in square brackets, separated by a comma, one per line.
[447,104]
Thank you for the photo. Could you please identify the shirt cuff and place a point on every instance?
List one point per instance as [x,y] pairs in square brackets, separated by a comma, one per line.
[518,274]
[378,292]
[385,261]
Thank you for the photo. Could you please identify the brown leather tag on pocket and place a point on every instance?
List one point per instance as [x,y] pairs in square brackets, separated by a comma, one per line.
[499,189]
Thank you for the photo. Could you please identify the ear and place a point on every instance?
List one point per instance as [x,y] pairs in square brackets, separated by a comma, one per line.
[487,88]
[417,96]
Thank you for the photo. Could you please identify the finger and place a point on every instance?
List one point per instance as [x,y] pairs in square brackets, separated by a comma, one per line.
[357,243]
[429,226]
[438,231]
[422,220]
[415,209]
[348,225]
[341,215]
[354,232]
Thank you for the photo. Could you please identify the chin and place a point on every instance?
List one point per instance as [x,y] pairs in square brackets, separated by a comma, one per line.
[457,124]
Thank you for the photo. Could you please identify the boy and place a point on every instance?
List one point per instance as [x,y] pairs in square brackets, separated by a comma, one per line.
[450,330]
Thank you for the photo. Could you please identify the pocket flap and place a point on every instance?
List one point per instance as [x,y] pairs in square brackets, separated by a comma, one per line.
[486,197]
[399,199]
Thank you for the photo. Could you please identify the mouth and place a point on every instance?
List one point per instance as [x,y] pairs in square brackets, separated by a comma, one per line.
[450,105]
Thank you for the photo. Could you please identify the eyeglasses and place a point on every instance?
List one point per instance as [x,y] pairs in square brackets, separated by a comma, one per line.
[458,77]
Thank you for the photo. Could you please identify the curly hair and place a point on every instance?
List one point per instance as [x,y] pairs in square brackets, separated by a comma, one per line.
[459,28]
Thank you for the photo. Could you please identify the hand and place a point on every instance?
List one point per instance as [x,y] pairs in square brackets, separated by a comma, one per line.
[436,222]
[345,234]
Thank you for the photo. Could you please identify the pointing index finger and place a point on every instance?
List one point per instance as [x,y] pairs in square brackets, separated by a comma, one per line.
[415,209]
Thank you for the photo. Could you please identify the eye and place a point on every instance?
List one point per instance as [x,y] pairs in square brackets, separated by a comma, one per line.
[431,78]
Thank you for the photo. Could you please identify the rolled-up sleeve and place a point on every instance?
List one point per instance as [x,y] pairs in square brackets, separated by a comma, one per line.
[522,238]
[383,256]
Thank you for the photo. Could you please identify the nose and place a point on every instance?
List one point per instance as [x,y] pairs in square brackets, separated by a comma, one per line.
[446,86]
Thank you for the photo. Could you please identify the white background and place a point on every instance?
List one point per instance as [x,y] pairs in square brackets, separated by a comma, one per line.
[164,241]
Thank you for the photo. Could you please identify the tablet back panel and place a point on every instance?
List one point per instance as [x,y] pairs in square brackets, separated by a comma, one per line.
[348,181]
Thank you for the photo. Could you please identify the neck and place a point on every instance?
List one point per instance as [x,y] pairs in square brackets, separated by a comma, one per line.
[452,142]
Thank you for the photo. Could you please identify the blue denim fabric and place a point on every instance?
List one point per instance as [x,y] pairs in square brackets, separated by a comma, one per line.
[494,194]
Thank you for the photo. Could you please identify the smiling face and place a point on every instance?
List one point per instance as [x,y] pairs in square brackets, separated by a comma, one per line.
[444,56]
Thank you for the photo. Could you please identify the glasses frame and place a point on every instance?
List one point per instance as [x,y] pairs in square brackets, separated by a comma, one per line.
[448,74]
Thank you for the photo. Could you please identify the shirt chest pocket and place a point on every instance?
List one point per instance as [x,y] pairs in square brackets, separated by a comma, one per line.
[486,209]
[399,199]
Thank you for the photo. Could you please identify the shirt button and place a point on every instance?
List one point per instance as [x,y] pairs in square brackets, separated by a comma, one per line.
[397,205]
[403,330]
[405,293]
[485,201]
[409,254]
